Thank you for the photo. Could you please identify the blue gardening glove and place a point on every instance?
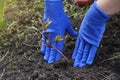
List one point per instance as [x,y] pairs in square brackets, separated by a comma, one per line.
[89,37]
[60,24]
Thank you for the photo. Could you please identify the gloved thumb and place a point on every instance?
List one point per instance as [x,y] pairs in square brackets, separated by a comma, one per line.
[71,31]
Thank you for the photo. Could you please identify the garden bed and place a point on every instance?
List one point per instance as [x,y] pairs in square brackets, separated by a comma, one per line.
[20,58]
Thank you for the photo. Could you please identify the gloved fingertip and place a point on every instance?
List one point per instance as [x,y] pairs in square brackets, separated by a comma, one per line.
[76,48]
[74,53]
[45,58]
[50,61]
[47,53]
[89,62]
[58,58]
[75,65]
[42,50]
[73,56]
[91,55]
[81,65]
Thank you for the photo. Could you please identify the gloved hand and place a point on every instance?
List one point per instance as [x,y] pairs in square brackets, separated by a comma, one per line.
[60,24]
[89,37]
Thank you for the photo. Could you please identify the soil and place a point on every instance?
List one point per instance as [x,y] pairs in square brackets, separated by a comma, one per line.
[20,58]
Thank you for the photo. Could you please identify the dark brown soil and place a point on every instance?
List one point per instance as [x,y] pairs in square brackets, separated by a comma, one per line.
[20,58]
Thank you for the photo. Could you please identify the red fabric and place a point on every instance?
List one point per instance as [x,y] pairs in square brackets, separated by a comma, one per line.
[83,2]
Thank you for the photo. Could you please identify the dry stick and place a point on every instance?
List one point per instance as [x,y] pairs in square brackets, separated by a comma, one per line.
[109,77]
[28,45]
[4,56]
[110,58]
[102,74]
[2,74]
[6,63]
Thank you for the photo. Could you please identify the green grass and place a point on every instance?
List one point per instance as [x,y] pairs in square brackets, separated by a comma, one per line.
[2,8]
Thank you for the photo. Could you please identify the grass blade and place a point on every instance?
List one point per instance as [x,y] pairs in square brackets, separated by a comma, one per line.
[2,8]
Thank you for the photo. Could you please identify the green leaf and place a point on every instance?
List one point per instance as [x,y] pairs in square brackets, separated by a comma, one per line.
[2,24]
[46,24]
[2,8]
[58,38]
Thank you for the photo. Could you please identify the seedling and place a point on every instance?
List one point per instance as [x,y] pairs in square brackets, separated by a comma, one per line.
[58,38]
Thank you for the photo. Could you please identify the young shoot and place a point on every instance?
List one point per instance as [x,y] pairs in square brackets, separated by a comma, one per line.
[58,38]
[46,24]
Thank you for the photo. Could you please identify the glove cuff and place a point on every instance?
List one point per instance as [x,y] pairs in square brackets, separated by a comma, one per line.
[96,14]
[102,13]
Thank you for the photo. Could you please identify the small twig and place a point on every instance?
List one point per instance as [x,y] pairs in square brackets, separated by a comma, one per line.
[109,77]
[2,74]
[28,45]
[4,56]
[110,58]
[3,65]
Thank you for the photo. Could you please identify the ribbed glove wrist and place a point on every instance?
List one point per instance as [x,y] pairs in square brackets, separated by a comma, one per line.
[96,14]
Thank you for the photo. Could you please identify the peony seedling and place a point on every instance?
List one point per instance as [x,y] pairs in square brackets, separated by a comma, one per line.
[58,38]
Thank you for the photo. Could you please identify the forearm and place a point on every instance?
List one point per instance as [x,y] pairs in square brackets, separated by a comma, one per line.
[110,7]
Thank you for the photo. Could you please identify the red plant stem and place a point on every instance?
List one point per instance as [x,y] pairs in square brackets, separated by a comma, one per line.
[61,52]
